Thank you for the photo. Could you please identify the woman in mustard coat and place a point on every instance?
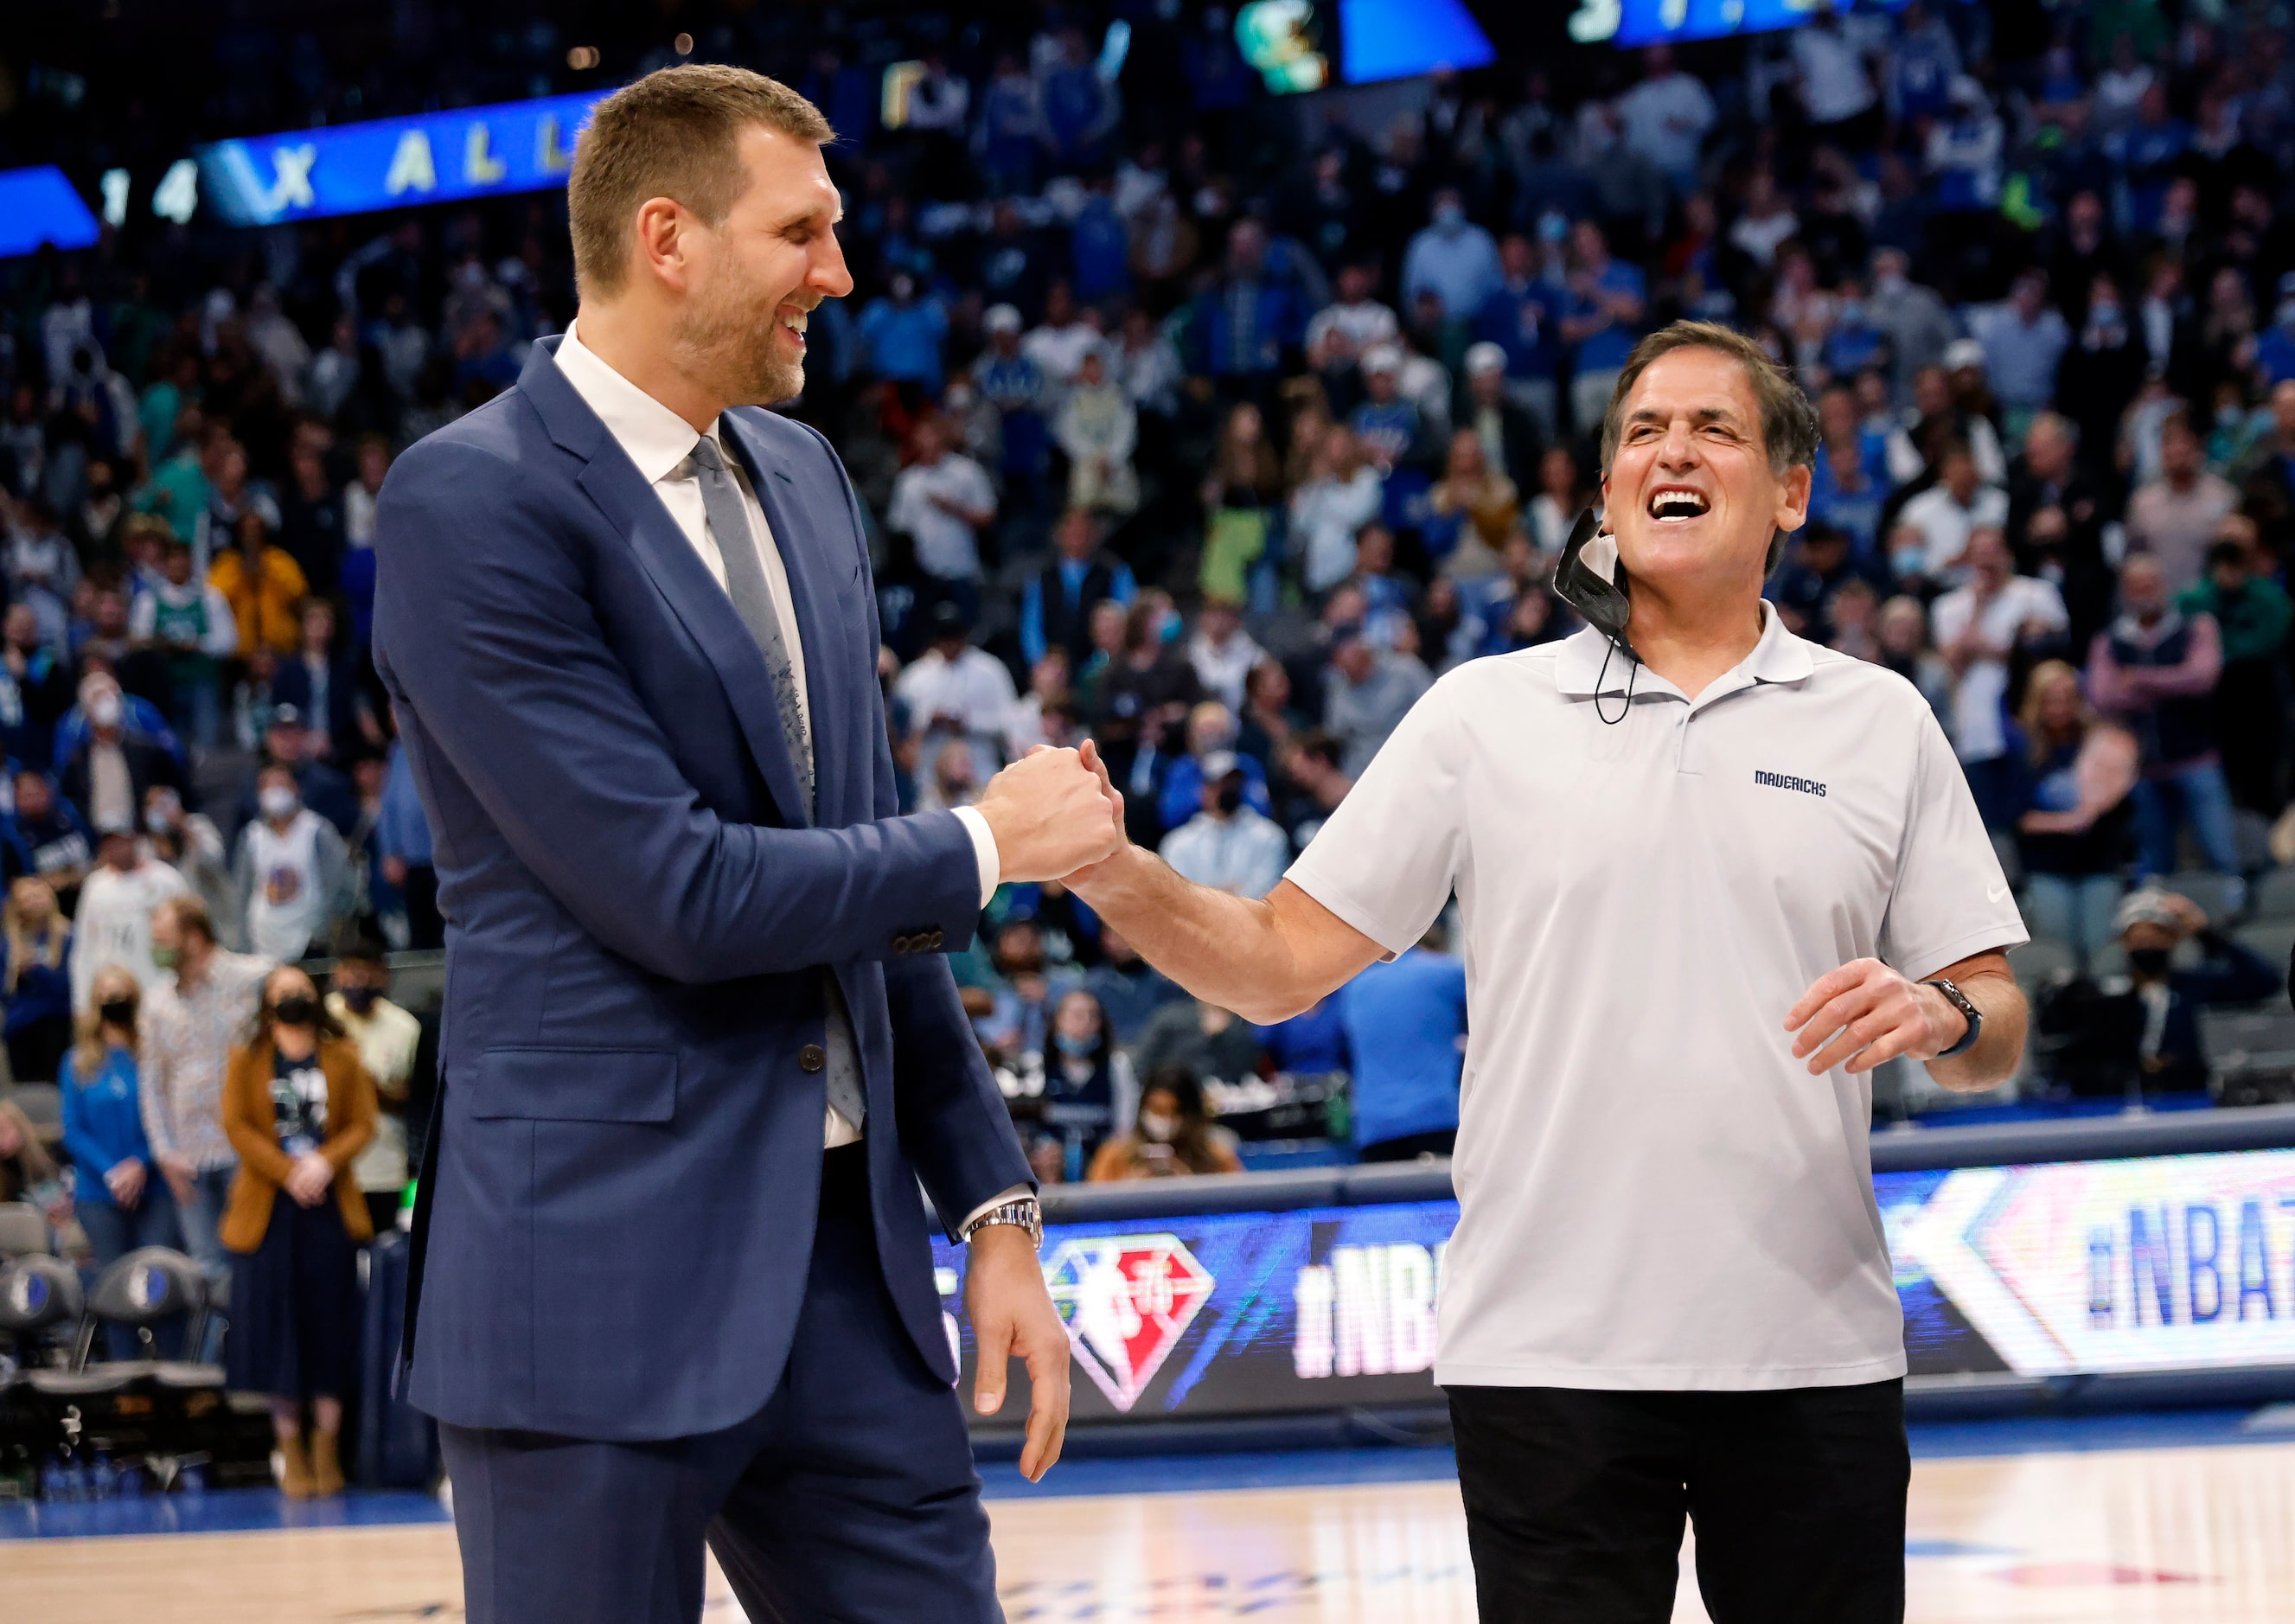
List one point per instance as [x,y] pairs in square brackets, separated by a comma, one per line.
[298,1107]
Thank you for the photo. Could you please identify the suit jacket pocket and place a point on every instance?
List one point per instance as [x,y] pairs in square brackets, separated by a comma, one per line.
[575,1085]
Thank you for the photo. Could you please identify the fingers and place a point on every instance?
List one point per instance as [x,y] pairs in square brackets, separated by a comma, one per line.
[1835,1014]
[1850,1040]
[1048,1408]
[1823,990]
[994,1338]
[1092,759]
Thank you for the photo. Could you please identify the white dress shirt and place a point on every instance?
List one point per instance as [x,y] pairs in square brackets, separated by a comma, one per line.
[660,443]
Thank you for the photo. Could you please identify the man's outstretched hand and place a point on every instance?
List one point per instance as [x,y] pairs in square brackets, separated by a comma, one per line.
[1013,1317]
[1049,815]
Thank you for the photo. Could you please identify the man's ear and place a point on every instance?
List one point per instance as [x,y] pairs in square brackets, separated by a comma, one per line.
[658,248]
[1792,498]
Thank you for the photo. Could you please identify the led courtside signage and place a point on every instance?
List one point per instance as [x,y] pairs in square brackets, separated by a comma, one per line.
[2157,1263]
[39,206]
[390,163]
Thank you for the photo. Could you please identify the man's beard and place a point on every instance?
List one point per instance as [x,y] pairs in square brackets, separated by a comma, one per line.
[730,342]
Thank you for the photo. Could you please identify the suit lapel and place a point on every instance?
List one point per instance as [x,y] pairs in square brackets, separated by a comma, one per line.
[813,596]
[668,559]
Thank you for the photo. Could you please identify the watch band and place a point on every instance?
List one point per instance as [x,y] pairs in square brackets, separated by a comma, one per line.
[1960,1001]
[1026,1213]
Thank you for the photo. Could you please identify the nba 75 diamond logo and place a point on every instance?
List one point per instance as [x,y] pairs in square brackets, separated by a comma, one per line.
[1126,1299]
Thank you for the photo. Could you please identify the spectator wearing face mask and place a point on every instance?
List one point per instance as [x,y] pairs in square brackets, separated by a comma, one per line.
[298,1108]
[2143,1034]
[112,771]
[387,1038]
[119,1202]
[292,868]
[113,922]
[286,742]
[1171,1135]
[139,718]
[1227,844]
[1212,732]
[1088,1082]
[1452,258]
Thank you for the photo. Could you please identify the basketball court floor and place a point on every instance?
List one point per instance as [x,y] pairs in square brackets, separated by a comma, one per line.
[2170,1520]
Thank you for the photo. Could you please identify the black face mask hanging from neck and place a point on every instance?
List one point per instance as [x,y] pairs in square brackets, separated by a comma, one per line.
[1590,579]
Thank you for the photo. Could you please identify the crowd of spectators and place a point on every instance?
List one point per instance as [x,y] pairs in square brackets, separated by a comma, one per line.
[1215,426]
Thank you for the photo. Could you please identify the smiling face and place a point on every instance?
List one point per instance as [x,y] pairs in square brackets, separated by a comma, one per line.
[1689,493]
[751,281]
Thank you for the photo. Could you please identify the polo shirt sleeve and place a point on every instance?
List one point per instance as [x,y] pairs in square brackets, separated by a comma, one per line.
[1951,899]
[1386,860]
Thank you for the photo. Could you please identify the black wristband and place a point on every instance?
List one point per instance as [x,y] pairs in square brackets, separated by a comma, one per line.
[1969,1012]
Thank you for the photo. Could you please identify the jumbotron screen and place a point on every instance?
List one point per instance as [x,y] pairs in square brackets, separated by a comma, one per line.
[2161,1263]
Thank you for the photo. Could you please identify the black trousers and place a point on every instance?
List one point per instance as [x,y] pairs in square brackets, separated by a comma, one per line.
[1575,1501]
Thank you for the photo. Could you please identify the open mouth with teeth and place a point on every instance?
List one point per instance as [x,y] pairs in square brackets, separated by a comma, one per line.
[792,322]
[1676,504]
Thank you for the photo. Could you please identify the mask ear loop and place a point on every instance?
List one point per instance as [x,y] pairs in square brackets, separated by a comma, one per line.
[1631,677]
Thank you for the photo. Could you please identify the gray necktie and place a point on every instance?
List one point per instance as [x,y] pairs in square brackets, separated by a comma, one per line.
[753,601]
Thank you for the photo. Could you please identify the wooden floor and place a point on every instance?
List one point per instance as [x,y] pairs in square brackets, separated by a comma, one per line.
[2166,1536]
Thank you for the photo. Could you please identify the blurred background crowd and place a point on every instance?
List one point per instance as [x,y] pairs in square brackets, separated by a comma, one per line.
[1214,426]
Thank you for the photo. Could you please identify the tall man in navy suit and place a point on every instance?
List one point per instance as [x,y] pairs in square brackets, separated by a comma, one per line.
[673,1281]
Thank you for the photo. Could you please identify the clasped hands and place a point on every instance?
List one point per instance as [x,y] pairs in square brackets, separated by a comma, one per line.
[1053,812]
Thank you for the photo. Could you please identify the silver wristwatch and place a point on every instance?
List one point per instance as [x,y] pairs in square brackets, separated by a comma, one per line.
[1025,1213]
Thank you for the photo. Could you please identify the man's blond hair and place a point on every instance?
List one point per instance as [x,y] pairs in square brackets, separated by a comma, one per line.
[671,135]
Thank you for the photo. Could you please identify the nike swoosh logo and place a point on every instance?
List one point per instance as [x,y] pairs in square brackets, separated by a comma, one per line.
[1998,893]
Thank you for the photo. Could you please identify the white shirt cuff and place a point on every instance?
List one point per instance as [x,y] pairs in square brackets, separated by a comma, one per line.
[1018,1192]
[984,851]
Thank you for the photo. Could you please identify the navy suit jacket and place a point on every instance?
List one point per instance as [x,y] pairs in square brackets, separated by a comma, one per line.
[618,1204]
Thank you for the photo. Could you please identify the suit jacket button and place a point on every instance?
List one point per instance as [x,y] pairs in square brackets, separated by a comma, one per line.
[934,944]
[812,1058]
[902,944]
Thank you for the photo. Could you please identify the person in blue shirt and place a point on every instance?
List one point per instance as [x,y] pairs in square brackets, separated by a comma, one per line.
[1521,317]
[119,1204]
[402,841]
[1313,1040]
[36,979]
[1406,1023]
[1602,321]
[1056,605]
[903,335]
[1099,247]
[139,718]
[2274,348]
[45,835]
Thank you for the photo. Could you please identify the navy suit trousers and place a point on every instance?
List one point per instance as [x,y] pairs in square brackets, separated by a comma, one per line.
[849,1498]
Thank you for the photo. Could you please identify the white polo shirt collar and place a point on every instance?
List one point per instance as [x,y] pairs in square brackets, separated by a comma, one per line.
[1778,657]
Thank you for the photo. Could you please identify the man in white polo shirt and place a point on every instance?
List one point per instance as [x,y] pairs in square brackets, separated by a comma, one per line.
[1703,873]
